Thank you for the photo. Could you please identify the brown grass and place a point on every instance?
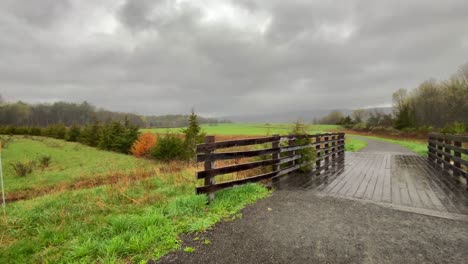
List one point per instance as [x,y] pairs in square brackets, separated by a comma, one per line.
[172,172]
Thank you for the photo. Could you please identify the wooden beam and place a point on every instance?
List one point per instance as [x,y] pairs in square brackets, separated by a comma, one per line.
[235,143]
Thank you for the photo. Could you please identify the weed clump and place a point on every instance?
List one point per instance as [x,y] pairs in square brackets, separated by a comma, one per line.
[23,168]
[44,161]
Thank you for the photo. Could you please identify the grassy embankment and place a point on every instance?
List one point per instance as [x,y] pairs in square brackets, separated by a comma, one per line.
[130,218]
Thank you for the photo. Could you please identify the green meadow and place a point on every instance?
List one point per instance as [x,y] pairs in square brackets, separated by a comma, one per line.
[70,162]
[129,219]
[250,129]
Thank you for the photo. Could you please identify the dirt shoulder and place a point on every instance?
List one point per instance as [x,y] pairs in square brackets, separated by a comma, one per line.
[301,227]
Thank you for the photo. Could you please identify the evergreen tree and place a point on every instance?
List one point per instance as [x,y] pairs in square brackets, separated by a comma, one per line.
[406,117]
[308,154]
[90,135]
[193,135]
[73,133]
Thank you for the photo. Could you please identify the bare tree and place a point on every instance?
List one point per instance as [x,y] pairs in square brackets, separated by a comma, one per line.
[360,115]
[399,99]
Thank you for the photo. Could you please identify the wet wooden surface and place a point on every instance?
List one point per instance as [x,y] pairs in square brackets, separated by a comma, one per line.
[390,178]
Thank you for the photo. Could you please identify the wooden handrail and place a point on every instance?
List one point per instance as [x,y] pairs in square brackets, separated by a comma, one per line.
[446,152]
[329,148]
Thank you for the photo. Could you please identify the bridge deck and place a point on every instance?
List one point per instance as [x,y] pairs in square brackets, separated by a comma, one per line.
[397,179]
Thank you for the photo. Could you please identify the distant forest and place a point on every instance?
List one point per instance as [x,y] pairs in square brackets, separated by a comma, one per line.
[431,105]
[43,115]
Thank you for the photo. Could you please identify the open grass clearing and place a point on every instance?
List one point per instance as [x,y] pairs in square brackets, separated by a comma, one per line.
[70,163]
[126,216]
[250,129]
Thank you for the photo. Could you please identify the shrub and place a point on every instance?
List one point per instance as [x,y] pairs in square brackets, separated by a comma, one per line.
[360,126]
[73,133]
[35,131]
[169,147]
[23,168]
[56,131]
[308,154]
[44,161]
[144,143]
[454,128]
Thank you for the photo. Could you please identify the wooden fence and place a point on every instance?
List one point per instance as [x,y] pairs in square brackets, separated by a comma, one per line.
[448,152]
[329,148]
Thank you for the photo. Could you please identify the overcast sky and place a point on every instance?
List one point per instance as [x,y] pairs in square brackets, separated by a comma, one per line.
[226,57]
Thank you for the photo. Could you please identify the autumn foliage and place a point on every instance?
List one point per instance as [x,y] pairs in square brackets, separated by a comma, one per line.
[143,144]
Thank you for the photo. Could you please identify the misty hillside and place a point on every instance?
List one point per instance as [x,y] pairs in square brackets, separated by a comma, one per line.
[287,117]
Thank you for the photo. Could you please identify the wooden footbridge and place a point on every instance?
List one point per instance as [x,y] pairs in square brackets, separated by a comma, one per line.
[396,178]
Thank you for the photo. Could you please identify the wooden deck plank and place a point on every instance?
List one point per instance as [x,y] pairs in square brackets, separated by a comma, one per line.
[356,179]
[391,178]
[378,193]
[352,171]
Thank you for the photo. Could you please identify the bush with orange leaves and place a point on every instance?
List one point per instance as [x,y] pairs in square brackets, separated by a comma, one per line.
[143,144]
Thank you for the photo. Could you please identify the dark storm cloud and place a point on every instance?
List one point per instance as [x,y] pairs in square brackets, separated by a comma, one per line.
[226,57]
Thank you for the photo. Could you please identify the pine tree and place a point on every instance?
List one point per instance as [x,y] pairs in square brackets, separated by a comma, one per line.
[193,135]
[73,133]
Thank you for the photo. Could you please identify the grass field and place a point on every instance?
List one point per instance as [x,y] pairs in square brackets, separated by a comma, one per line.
[250,129]
[263,130]
[70,162]
[128,219]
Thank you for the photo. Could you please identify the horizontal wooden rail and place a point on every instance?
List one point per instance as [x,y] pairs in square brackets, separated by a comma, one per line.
[235,143]
[245,166]
[458,138]
[283,159]
[447,152]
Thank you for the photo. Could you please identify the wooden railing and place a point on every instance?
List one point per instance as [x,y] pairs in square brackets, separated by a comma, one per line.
[448,152]
[277,158]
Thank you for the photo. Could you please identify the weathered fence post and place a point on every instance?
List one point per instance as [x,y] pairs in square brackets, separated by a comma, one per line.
[327,158]
[457,154]
[291,143]
[275,155]
[333,149]
[447,151]
[343,140]
[439,147]
[431,151]
[209,180]
[318,139]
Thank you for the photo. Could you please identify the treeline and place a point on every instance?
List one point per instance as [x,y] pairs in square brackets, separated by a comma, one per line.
[433,103]
[123,137]
[114,136]
[432,106]
[43,115]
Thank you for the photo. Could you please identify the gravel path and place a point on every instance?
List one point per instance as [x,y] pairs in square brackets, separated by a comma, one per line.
[301,227]
[382,146]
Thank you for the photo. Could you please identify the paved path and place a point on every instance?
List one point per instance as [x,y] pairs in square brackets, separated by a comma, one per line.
[382,146]
[314,220]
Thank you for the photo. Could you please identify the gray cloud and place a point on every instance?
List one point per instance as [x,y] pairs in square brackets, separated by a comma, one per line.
[226,57]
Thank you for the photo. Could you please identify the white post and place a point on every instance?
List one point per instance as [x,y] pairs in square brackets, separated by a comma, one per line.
[1,179]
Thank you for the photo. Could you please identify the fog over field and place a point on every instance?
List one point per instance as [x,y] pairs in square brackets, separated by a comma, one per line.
[226,58]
